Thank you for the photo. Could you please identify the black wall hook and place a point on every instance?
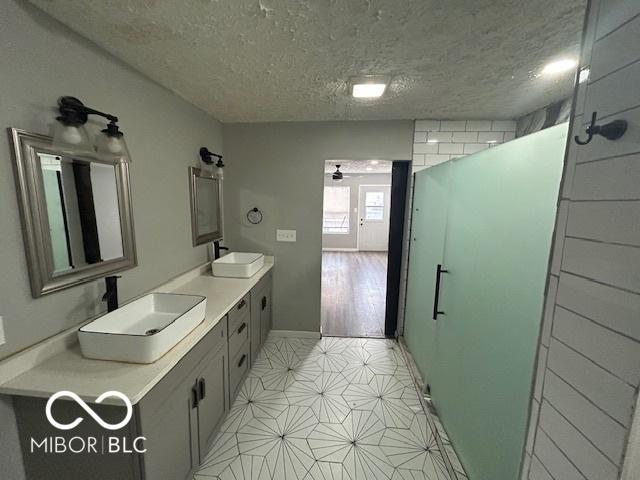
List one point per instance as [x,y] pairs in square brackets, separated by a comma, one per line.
[611,131]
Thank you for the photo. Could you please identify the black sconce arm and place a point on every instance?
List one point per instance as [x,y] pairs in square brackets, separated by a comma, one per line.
[74,112]
[208,157]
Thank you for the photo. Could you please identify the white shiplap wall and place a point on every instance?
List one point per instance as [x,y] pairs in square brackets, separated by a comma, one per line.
[589,353]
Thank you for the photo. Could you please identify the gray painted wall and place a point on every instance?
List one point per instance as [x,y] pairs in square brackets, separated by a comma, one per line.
[352,180]
[41,60]
[279,167]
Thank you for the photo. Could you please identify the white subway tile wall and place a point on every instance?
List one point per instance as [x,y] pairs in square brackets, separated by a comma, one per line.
[589,355]
[436,141]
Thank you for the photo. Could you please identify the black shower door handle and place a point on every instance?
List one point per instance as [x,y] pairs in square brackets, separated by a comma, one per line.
[436,296]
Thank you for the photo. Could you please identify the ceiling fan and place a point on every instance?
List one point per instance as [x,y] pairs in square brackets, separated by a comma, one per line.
[338,175]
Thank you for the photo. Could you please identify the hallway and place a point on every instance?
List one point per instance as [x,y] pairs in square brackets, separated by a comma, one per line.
[354,286]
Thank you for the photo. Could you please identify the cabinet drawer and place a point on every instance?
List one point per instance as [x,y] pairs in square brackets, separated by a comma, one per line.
[237,368]
[237,313]
[238,337]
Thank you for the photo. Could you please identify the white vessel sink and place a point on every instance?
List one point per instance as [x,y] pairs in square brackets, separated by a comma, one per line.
[144,330]
[238,265]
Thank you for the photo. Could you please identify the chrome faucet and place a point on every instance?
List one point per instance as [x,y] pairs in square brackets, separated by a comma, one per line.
[111,295]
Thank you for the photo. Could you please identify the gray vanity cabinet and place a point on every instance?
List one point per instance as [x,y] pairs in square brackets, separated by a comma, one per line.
[168,427]
[260,314]
[239,344]
[178,417]
[212,403]
[180,414]
[265,313]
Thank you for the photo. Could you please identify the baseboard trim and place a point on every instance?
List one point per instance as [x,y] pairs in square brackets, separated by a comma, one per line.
[339,249]
[295,334]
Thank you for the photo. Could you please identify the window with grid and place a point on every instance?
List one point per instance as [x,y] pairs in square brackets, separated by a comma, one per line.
[374,206]
[335,213]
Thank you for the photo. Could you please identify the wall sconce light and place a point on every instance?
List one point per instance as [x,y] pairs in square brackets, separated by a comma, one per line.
[70,130]
[209,158]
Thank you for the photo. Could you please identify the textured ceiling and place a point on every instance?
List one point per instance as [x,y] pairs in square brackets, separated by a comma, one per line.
[269,60]
[358,166]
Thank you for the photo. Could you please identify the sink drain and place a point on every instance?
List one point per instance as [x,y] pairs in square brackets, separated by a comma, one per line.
[152,331]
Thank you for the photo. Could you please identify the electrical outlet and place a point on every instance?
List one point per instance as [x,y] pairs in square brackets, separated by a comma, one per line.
[2,340]
[285,235]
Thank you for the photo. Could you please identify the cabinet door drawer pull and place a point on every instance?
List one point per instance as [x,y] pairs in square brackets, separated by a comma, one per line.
[202,387]
[242,304]
[242,327]
[194,397]
[242,359]
[264,303]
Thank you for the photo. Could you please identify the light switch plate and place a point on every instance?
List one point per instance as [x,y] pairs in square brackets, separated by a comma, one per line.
[286,235]
[2,340]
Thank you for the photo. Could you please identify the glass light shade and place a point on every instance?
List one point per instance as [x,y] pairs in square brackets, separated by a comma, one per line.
[368,90]
[71,137]
[112,146]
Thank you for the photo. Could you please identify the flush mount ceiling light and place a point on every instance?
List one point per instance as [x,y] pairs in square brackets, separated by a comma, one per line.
[369,86]
[368,90]
[559,66]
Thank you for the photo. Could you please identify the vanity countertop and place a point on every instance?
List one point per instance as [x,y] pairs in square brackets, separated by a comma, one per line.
[69,370]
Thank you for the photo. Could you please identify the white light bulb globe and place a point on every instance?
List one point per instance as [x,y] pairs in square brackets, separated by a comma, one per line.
[114,145]
[71,135]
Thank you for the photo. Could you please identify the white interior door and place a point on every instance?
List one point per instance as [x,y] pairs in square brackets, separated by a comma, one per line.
[373,216]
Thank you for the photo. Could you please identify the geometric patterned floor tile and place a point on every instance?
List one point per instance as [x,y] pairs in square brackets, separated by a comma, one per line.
[328,409]
[355,443]
[323,395]
[254,401]
[410,448]
[282,441]
[383,396]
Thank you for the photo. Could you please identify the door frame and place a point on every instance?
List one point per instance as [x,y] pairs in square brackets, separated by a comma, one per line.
[400,177]
[398,231]
[389,186]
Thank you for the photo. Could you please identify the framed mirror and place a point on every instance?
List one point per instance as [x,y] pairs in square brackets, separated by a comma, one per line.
[206,206]
[76,213]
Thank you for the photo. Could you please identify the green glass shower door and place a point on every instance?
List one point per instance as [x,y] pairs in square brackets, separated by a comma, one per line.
[429,219]
[501,212]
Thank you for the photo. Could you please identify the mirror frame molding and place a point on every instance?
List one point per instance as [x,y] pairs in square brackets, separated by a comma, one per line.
[194,173]
[35,224]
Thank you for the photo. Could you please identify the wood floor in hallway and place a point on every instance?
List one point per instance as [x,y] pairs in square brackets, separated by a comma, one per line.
[354,286]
